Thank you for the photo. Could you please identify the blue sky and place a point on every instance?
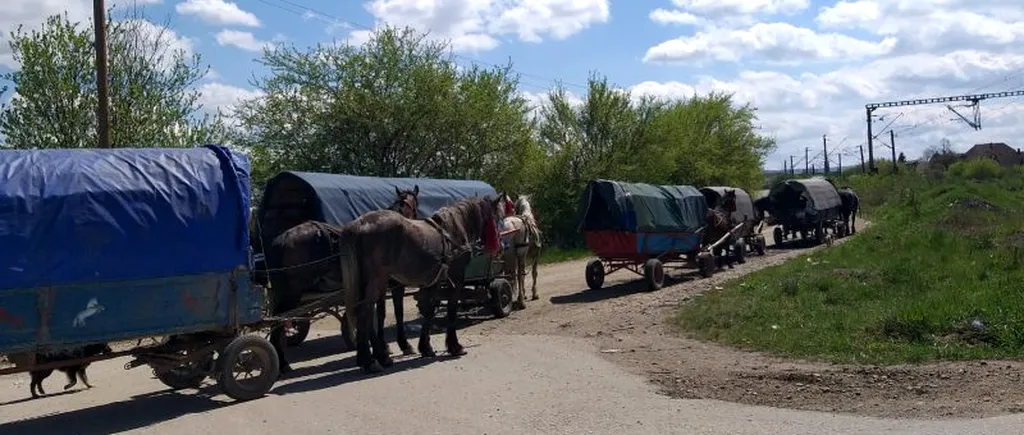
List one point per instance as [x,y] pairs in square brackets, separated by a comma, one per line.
[808,66]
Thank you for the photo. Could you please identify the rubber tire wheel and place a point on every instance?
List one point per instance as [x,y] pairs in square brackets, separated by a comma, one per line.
[740,249]
[190,376]
[654,274]
[777,236]
[595,274]
[760,244]
[301,332]
[265,354]
[706,265]
[500,291]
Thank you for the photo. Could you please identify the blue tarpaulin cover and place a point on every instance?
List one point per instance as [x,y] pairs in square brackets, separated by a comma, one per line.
[343,198]
[79,216]
[641,207]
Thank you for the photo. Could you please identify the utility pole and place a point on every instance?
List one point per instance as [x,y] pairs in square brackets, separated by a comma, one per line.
[824,145]
[791,169]
[862,169]
[840,164]
[807,160]
[103,109]
[871,147]
[892,141]
[784,169]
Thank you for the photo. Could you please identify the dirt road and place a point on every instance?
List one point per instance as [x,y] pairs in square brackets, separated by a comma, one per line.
[508,384]
[577,361]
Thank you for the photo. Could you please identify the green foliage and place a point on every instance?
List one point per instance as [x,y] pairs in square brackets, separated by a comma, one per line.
[937,276]
[976,169]
[398,107]
[152,100]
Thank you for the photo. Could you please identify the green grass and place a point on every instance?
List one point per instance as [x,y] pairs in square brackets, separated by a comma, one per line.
[554,254]
[941,256]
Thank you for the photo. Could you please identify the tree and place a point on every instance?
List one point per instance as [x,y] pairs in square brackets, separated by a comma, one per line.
[902,158]
[398,106]
[152,102]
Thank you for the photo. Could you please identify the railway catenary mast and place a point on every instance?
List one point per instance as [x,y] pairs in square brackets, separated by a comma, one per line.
[972,99]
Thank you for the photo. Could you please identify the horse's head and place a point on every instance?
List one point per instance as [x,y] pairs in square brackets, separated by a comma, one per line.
[728,202]
[504,206]
[407,202]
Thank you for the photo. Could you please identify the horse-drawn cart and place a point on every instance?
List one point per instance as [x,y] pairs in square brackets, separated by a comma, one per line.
[805,206]
[124,245]
[748,236]
[641,228]
[292,197]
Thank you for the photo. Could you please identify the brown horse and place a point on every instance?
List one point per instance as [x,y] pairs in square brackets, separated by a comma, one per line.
[430,254]
[718,221]
[304,258]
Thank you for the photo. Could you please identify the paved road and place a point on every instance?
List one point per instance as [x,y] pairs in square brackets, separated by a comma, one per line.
[508,384]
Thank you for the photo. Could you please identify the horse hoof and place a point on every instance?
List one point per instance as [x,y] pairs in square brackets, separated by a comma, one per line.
[387,362]
[374,367]
[534,298]
[456,351]
[408,351]
[427,353]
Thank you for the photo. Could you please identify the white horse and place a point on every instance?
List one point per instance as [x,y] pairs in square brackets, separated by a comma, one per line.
[524,241]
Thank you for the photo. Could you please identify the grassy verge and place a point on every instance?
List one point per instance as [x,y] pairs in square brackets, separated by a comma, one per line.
[554,254]
[938,276]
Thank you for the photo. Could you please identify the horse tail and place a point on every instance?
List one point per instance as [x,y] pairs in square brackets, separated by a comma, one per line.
[350,277]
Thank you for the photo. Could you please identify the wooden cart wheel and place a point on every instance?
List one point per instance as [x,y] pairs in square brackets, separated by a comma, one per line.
[706,264]
[740,250]
[777,236]
[654,274]
[595,274]
[236,365]
[297,333]
[186,376]
[501,297]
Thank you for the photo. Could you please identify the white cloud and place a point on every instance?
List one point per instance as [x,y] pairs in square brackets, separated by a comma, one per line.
[798,109]
[31,14]
[223,97]
[742,7]
[779,42]
[218,12]
[475,25]
[244,40]
[664,16]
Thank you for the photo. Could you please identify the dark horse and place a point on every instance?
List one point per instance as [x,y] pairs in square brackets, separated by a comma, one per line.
[305,257]
[851,203]
[431,254]
[718,220]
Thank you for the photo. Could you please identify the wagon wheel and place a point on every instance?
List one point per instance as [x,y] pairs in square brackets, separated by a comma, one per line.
[819,233]
[242,357]
[500,291]
[778,236]
[188,375]
[654,274]
[595,274]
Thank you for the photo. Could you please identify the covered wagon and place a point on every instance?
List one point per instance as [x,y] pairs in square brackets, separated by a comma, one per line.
[805,206]
[641,227]
[748,236]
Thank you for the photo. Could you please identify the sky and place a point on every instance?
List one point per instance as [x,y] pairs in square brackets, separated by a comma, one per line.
[809,67]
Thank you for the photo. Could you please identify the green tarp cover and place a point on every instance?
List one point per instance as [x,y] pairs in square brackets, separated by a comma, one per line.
[641,207]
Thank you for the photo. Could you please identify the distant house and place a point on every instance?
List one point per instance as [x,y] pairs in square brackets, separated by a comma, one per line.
[1002,153]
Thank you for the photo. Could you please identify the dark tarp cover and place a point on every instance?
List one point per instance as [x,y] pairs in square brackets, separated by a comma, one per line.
[744,205]
[822,194]
[343,198]
[74,216]
[641,207]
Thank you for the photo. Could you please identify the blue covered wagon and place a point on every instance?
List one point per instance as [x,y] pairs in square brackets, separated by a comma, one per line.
[640,227]
[100,246]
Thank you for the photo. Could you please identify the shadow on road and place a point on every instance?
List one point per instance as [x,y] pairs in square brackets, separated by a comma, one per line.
[135,413]
[334,378]
[627,288]
[16,401]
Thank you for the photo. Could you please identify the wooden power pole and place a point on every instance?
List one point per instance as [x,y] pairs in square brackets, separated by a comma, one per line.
[892,141]
[103,109]
[824,146]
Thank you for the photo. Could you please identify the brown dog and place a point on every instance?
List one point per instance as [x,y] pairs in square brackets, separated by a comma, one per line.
[73,372]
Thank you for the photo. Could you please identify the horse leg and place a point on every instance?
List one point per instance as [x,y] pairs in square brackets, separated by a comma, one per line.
[398,299]
[521,275]
[382,313]
[517,289]
[536,259]
[427,310]
[451,340]
[853,222]
[381,354]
